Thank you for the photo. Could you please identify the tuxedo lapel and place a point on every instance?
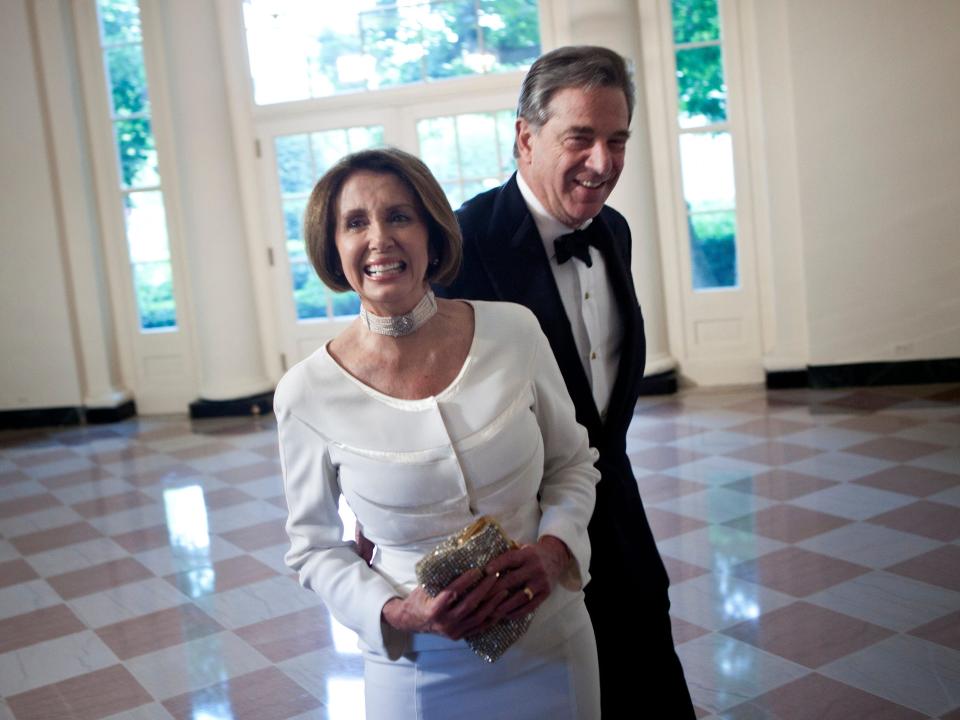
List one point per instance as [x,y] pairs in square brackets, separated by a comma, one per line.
[518,267]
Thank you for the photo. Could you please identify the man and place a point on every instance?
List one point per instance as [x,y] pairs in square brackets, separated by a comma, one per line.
[572,129]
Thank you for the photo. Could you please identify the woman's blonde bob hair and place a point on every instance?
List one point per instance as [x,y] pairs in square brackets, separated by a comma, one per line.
[445,244]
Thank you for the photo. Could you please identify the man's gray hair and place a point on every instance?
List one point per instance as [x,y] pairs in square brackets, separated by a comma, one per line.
[573,66]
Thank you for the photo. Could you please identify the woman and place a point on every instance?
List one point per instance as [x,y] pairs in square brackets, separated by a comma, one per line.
[425,415]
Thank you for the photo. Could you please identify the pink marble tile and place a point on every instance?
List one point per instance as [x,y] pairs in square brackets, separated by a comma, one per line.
[910,480]
[225,497]
[780,484]
[882,424]
[867,400]
[14,572]
[944,631]
[201,451]
[679,571]
[815,697]
[665,432]
[774,453]
[938,567]
[684,631]
[138,541]
[166,473]
[929,519]
[771,426]
[266,694]
[105,457]
[44,540]
[27,504]
[808,634]
[290,635]
[666,524]
[797,572]
[788,523]
[30,628]
[87,581]
[895,449]
[77,477]
[157,630]
[227,574]
[46,456]
[249,473]
[662,457]
[85,697]
[656,488]
[12,477]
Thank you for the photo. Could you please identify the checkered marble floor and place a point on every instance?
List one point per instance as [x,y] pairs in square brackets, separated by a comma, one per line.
[812,537]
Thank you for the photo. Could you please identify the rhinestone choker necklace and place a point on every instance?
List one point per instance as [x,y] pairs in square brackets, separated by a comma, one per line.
[401,325]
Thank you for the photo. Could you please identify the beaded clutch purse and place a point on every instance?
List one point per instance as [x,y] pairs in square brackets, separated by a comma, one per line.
[473,547]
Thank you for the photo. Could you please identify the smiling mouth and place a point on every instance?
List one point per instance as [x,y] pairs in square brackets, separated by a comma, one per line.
[590,184]
[383,269]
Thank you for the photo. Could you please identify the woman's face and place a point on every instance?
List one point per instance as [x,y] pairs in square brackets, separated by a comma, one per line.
[382,240]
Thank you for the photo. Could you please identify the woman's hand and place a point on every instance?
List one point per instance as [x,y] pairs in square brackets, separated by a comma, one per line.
[527,575]
[463,608]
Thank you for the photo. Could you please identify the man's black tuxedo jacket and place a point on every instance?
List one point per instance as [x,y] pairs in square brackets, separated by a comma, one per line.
[504,259]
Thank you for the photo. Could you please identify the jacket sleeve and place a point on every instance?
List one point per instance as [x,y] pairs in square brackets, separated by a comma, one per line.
[568,489]
[326,563]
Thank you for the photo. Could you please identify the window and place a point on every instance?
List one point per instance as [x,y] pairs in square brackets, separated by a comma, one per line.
[301,50]
[706,148]
[301,160]
[468,153]
[121,42]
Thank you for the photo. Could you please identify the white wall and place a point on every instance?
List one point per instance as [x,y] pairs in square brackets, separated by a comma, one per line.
[875,93]
[38,366]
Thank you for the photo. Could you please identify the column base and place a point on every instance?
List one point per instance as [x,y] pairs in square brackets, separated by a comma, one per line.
[101,415]
[907,372]
[664,383]
[253,405]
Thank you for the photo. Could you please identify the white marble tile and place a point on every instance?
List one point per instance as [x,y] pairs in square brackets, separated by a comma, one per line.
[314,671]
[83,492]
[889,600]
[76,556]
[125,602]
[60,467]
[176,443]
[838,466]
[136,518]
[194,665]
[26,597]
[53,661]
[717,470]
[41,520]
[7,465]
[856,502]
[260,601]
[719,600]
[945,461]
[224,461]
[722,672]
[5,712]
[7,551]
[140,465]
[716,505]
[870,545]
[718,547]
[716,442]
[273,557]
[243,515]
[717,418]
[948,497]
[166,560]
[828,438]
[267,487]
[905,670]
[21,489]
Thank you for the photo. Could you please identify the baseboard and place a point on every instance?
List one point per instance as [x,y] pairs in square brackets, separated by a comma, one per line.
[664,383]
[40,417]
[252,405]
[905,372]
[102,415]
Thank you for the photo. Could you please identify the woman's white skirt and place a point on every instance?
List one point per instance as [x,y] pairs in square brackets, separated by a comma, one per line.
[549,673]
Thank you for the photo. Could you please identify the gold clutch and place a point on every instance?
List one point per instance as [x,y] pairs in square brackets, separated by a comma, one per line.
[473,547]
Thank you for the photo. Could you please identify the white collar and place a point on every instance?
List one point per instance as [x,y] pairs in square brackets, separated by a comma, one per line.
[547,225]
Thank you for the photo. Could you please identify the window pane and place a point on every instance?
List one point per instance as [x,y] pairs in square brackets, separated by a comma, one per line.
[307,49]
[438,147]
[695,20]
[702,94]
[138,154]
[309,293]
[713,250]
[154,287]
[119,21]
[707,166]
[359,138]
[293,220]
[328,148]
[347,303]
[294,166]
[505,134]
[146,227]
[454,193]
[128,80]
[477,138]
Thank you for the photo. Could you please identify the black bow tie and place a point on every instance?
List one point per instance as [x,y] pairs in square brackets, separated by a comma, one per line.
[575,244]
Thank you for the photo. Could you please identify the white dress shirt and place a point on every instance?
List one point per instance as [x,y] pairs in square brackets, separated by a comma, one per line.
[500,440]
[587,300]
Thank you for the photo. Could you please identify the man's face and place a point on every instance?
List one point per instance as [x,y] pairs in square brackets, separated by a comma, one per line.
[573,161]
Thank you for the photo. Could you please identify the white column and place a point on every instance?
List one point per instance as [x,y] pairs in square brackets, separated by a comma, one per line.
[615,24]
[227,334]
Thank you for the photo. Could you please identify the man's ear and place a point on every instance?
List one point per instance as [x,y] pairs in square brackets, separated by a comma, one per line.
[525,133]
